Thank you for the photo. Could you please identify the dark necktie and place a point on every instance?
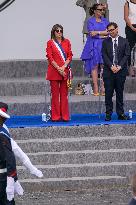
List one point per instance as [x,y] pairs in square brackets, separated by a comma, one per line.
[115,52]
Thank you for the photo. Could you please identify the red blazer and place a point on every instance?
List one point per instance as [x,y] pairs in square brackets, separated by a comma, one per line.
[54,55]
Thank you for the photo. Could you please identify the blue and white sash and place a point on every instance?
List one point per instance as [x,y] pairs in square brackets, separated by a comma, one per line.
[60,50]
[63,55]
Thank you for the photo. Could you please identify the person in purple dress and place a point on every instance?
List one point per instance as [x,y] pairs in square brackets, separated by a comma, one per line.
[91,54]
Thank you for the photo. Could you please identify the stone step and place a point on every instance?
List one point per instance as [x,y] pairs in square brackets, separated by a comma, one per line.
[22,68]
[25,105]
[34,86]
[130,85]
[111,195]
[37,104]
[72,184]
[81,156]
[23,86]
[31,86]
[128,88]
[93,104]
[32,68]
[77,144]
[112,130]
[123,169]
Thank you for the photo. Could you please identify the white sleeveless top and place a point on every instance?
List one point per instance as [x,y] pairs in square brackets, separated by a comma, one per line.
[132,12]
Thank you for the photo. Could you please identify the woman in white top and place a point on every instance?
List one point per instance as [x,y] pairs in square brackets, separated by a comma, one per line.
[130,19]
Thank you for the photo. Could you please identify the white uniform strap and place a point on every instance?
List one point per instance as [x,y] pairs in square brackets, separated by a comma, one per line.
[3,170]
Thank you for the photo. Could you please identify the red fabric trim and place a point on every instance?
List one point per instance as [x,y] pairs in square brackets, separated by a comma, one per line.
[3,109]
[13,174]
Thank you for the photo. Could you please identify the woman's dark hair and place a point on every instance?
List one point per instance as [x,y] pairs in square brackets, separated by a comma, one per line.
[54,28]
[93,8]
[112,24]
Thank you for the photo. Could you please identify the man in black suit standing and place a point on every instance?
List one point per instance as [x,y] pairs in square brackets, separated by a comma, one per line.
[115,52]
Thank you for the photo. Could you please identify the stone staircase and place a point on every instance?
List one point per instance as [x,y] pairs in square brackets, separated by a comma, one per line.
[85,165]
[76,159]
[23,87]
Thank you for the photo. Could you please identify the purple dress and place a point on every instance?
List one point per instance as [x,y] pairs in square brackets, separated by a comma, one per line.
[91,54]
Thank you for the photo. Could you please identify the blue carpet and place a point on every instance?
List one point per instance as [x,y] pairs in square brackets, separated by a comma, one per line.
[76,120]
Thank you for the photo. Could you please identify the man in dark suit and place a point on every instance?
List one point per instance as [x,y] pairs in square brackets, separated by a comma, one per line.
[133,184]
[115,52]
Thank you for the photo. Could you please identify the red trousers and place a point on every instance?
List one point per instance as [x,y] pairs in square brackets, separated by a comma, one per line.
[59,100]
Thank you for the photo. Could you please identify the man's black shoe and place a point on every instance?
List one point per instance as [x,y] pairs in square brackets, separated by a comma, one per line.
[108,117]
[123,117]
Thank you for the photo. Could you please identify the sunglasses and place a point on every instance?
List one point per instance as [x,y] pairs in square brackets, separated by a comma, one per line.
[100,9]
[59,31]
[110,30]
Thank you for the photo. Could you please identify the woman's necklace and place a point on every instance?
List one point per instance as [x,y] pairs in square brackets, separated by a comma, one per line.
[98,20]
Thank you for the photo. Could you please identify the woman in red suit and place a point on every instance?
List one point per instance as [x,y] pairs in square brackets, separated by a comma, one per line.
[59,56]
